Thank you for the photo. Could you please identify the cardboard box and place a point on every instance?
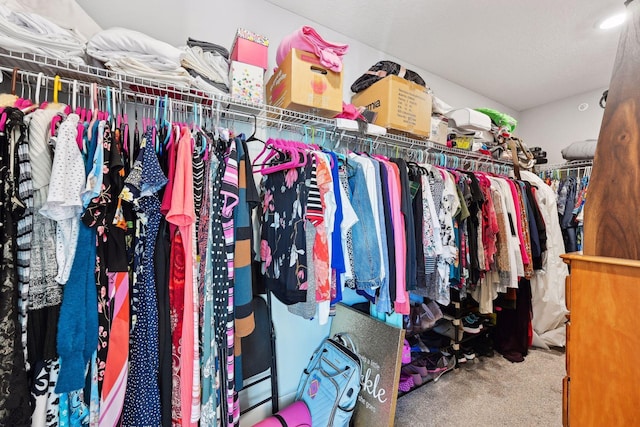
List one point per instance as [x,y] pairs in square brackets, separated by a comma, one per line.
[401,105]
[246,82]
[439,129]
[250,48]
[303,84]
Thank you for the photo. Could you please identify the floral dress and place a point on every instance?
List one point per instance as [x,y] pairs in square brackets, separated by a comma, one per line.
[283,247]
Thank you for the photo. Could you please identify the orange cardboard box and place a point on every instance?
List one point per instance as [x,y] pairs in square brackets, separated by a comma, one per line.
[401,105]
[303,84]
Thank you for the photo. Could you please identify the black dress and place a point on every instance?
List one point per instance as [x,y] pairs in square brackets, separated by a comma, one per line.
[15,409]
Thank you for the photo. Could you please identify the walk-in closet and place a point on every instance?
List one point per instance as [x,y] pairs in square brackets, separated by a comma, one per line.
[339,213]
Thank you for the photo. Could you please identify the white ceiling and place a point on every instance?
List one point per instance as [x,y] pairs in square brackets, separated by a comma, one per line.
[522,53]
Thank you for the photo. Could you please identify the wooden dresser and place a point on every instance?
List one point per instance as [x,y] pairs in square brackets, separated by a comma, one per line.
[602,386]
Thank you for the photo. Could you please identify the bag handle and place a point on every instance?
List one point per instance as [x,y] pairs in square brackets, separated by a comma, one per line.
[339,370]
[346,340]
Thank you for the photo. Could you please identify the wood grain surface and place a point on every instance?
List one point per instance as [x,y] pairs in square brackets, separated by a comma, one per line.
[601,388]
[612,211]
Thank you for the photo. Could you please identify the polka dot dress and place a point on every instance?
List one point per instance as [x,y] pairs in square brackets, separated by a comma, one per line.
[142,401]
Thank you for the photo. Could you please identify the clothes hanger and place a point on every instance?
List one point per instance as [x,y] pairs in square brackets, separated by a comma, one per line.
[255,129]
[77,109]
[29,86]
[9,99]
[94,105]
[270,149]
[296,157]
[24,103]
[38,86]
[342,157]
[57,86]
[199,133]
[292,164]
[80,126]
[166,123]
[275,145]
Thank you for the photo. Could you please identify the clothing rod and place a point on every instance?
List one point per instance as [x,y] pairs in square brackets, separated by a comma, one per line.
[150,91]
[581,164]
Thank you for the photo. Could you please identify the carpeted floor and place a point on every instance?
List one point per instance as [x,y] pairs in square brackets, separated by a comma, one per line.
[490,392]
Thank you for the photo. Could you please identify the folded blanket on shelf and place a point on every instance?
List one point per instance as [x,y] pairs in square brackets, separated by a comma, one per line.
[581,150]
[208,47]
[31,33]
[209,66]
[206,85]
[64,13]
[138,68]
[138,54]
[308,39]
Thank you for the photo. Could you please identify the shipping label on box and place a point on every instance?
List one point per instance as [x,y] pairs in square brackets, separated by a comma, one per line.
[401,105]
[303,84]
[439,129]
[247,82]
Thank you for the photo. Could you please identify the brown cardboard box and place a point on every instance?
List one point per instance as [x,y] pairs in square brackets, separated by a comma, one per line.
[303,84]
[401,105]
[439,129]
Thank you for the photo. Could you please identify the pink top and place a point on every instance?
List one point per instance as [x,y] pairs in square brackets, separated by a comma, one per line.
[182,213]
[308,40]
[172,146]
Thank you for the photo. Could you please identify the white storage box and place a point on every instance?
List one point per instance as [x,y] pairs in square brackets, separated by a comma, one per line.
[468,120]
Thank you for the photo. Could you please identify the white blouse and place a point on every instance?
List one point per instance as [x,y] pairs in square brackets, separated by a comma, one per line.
[64,204]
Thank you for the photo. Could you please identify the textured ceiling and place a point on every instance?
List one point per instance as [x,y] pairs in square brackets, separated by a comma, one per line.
[522,53]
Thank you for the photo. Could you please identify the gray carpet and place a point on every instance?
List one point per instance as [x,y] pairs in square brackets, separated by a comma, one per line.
[490,392]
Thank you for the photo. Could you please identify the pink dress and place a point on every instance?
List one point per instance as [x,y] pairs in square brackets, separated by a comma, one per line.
[182,214]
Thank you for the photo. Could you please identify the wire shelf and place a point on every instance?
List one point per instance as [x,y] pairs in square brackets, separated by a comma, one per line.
[578,164]
[264,115]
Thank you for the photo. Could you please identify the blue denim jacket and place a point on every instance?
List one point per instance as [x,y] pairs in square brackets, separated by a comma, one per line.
[366,253]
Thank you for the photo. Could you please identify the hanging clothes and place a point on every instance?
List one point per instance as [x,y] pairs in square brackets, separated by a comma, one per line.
[142,398]
[248,199]
[45,294]
[213,276]
[547,285]
[146,283]
[283,242]
[14,398]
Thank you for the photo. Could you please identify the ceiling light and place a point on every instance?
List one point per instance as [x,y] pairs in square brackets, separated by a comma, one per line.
[612,21]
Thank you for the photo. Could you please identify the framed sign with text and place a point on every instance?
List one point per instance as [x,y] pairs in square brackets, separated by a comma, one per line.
[379,346]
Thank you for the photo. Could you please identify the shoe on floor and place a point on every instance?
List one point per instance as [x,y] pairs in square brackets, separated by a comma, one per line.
[447,363]
[472,324]
[414,368]
[468,353]
[445,328]
[406,383]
